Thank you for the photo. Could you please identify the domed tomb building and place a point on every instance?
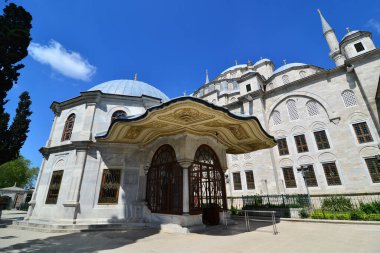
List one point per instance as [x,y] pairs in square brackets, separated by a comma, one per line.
[123,153]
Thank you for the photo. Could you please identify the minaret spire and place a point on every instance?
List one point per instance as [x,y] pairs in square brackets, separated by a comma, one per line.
[135,76]
[207,81]
[332,41]
[325,26]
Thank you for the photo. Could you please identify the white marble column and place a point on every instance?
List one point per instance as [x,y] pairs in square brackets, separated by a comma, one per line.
[185,186]
[185,191]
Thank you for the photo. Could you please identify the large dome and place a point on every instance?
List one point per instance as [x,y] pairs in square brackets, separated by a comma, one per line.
[130,88]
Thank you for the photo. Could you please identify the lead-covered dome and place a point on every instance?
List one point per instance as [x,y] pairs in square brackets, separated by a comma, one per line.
[130,88]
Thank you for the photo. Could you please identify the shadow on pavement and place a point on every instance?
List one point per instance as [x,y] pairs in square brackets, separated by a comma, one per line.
[82,241]
[239,227]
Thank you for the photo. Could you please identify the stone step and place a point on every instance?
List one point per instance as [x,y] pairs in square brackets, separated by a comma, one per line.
[61,228]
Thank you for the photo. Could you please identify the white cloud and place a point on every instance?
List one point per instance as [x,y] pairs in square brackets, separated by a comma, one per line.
[374,24]
[67,63]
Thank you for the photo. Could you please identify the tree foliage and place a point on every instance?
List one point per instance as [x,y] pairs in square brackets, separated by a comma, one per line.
[15,25]
[15,136]
[17,171]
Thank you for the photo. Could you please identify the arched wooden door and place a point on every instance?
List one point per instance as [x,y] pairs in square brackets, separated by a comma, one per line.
[164,182]
[206,182]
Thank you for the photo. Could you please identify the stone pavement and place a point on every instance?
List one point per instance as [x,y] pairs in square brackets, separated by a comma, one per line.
[293,237]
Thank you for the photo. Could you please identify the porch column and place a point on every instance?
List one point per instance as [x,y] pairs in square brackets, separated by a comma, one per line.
[185,184]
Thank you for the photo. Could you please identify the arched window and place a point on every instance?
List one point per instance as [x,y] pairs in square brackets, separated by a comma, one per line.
[302,74]
[233,99]
[164,182]
[276,117]
[292,109]
[206,182]
[118,114]
[230,86]
[312,108]
[285,79]
[236,86]
[68,129]
[349,98]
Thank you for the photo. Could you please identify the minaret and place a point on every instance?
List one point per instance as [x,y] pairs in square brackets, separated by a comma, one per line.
[207,81]
[332,41]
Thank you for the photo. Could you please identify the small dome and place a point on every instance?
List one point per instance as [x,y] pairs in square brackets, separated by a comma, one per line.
[288,66]
[262,61]
[130,88]
[349,34]
[235,67]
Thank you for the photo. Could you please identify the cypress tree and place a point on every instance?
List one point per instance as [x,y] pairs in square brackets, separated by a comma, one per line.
[15,25]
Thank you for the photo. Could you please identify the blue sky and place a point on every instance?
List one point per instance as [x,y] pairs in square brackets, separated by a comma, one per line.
[80,43]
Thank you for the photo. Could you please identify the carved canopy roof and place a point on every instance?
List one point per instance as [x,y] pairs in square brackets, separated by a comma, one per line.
[239,133]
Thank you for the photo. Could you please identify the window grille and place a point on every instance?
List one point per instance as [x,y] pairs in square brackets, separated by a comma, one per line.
[55,185]
[312,108]
[285,79]
[211,88]
[373,169]
[68,129]
[250,180]
[349,98]
[206,181]
[282,147]
[301,143]
[236,86]
[235,158]
[118,114]
[247,156]
[237,181]
[362,132]
[331,173]
[109,188]
[292,109]
[201,93]
[321,140]
[311,179]
[164,182]
[290,181]
[276,116]
[302,74]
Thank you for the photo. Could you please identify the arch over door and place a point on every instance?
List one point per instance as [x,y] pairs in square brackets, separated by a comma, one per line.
[206,181]
[164,182]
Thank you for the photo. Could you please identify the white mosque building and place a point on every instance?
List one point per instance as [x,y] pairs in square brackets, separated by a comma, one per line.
[325,120]
[123,153]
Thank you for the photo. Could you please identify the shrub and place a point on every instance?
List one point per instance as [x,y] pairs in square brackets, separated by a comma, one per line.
[357,215]
[372,216]
[337,204]
[234,210]
[342,216]
[304,214]
[317,215]
[370,208]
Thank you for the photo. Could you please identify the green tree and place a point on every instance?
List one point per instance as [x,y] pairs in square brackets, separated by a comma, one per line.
[15,25]
[17,171]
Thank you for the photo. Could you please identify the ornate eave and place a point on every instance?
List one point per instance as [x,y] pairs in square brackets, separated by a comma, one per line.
[239,134]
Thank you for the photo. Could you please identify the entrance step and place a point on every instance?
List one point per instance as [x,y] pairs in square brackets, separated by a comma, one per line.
[69,228]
